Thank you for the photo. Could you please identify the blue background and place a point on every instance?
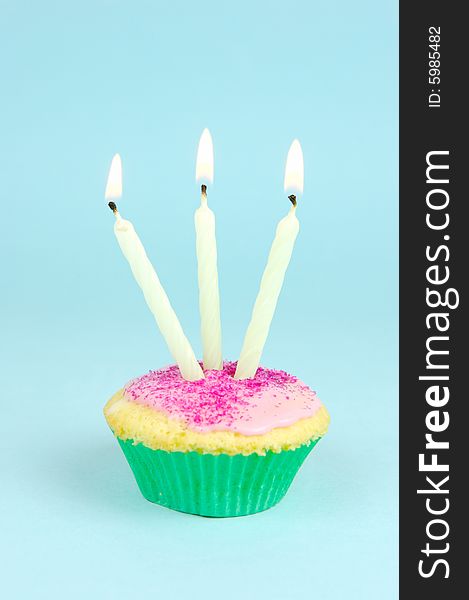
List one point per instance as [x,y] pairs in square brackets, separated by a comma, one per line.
[83,80]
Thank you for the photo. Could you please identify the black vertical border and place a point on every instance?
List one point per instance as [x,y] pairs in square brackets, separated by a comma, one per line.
[424,129]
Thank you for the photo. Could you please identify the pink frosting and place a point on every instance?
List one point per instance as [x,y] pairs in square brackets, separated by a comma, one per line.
[221,403]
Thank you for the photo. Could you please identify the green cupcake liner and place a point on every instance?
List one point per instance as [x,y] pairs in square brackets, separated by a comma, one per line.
[214,485]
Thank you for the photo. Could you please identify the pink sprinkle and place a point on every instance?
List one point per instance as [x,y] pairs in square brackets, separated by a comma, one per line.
[220,402]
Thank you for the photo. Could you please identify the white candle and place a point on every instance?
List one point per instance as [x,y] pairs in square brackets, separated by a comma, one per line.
[146,277]
[274,272]
[206,246]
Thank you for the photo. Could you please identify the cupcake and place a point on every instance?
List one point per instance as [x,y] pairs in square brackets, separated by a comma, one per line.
[219,446]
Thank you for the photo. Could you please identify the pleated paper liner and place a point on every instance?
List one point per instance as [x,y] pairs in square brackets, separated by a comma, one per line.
[214,485]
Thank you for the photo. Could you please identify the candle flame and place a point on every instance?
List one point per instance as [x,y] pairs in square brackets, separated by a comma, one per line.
[114,179]
[294,169]
[204,164]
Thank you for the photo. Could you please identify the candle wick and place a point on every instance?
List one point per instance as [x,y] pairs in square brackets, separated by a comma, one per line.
[113,207]
[203,195]
[292,199]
